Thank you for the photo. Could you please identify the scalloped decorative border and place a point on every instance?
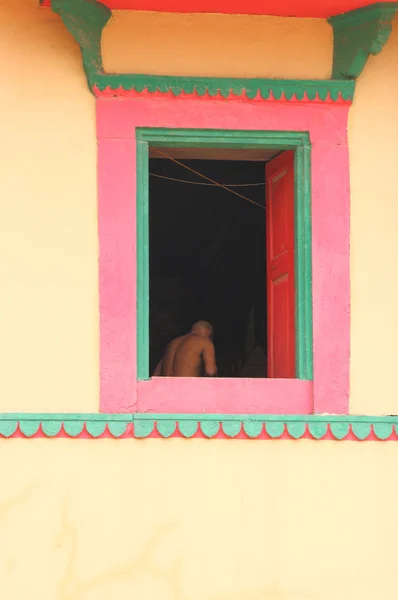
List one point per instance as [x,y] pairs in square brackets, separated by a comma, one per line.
[221,88]
[140,426]
[85,20]
[357,34]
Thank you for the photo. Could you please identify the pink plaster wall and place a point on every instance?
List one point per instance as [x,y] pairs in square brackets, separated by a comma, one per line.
[117,120]
[116,225]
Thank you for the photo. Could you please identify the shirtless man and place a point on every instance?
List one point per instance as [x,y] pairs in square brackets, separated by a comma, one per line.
[190,355]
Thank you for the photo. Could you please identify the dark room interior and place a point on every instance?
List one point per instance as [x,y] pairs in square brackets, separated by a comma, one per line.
[207,260]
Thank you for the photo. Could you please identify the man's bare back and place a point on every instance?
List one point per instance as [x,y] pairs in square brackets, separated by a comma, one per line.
[190,355]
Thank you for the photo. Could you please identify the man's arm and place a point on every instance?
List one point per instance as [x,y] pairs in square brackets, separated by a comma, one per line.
[209,359]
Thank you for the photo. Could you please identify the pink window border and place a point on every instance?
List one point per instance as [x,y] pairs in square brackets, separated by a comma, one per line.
[120,392]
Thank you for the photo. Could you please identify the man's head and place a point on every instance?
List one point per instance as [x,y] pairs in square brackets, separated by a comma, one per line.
[203,328]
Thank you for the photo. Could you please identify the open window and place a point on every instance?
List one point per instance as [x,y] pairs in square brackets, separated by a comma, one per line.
[225,254]
[315,358]
[240,260]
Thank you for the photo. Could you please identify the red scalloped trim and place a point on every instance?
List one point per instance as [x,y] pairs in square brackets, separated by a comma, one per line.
[285,436]
[129,433]
[120,92]
[85,435]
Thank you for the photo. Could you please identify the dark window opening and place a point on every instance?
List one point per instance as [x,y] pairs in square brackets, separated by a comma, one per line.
[207,251]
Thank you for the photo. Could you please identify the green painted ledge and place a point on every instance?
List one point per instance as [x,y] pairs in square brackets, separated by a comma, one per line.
[260,89]
[137,425]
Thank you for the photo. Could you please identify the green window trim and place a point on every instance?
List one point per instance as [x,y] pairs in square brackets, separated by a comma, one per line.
[213,138]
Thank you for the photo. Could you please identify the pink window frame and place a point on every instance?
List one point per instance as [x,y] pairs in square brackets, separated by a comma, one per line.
[120,392]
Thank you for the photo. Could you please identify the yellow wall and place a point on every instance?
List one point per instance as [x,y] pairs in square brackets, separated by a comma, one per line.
[176,519]
[198,520]
[217,45]
[373,135]
[48,232]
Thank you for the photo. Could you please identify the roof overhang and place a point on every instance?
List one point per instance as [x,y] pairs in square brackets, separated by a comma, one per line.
[285,8]
[357,34]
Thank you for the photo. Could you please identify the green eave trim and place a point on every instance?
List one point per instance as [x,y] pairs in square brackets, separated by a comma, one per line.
[213,86]
[359,33]
[85,20]
[137,425]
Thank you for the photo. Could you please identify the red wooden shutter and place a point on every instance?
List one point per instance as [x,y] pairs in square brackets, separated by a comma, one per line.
[280,265]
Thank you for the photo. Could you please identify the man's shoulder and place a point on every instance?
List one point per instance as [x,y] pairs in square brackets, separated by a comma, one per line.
[207,342]
[174,343]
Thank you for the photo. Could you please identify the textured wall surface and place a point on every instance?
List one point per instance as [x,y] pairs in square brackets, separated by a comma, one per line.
[217,45]
[372,132]
[48,258]
[198,520]
[177,519]
[48,237]
[48,225]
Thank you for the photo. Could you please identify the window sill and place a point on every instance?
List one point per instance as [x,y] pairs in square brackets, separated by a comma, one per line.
[225,396]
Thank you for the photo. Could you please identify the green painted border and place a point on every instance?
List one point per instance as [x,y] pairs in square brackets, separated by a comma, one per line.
[213,138]
[301,89]
[142,244]
[136,425]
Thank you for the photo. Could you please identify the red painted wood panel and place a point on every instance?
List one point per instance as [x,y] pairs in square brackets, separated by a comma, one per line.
[287,8]
[280,265]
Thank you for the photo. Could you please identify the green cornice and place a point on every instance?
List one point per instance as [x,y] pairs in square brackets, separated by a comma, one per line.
[138,425]
[85,20]
[213,86]
[359,33]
